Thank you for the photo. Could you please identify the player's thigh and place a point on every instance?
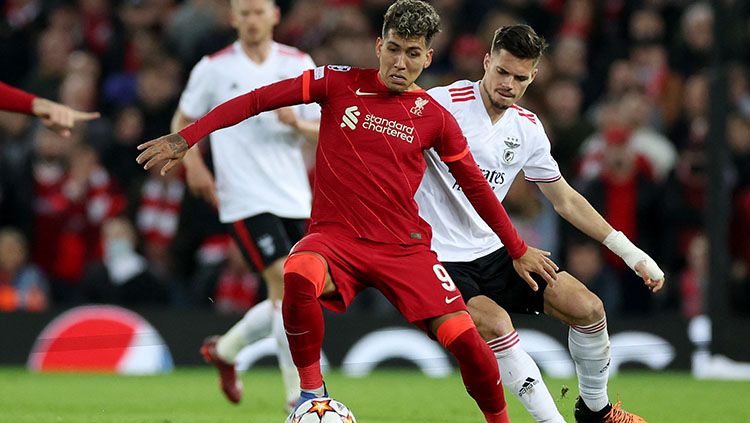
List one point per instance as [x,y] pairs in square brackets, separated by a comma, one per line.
[494,277]
[571,302]
[263,239]
[339,258]
[415,282]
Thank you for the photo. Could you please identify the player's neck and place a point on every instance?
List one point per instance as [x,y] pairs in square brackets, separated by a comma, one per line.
[258,52]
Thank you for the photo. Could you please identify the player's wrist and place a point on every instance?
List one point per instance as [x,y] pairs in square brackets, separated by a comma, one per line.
[618,243]
[519,250]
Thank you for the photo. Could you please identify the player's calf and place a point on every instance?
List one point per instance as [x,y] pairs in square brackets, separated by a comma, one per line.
[477,364]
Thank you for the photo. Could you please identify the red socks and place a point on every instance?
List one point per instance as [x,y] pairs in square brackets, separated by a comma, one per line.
[305,326]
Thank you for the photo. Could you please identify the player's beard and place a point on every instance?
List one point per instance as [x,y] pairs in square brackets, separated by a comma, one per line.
[500,107]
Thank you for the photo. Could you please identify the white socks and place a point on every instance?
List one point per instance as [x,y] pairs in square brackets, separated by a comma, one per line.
[256,324]
[589,348]
[522,378]
[262,321]
[286,365]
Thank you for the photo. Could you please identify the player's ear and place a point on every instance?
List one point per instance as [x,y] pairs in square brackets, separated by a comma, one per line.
[533,75]
[378,46]
[487,60]
[276,15]
[428,62]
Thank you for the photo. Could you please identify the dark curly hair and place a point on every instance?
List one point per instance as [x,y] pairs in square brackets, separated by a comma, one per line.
[519,40]
[412,18]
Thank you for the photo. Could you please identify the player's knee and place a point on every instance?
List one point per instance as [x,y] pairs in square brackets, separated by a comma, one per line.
[306,267]
[590,309]
[453,327]
[499,326]
[491,320]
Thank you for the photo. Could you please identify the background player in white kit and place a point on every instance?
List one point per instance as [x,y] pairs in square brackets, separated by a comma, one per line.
[504,140]
[262,191]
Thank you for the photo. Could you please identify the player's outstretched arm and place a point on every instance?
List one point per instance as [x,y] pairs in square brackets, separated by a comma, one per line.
[526,260]
[170,148]
[55,116]
[574,208]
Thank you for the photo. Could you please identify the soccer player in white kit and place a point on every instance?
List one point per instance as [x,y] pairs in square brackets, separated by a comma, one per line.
[504,140]
[262,189]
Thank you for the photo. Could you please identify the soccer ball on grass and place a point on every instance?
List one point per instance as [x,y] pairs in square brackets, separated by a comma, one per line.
[321,410]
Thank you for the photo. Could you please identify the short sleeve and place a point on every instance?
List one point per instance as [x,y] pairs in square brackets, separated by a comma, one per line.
[541,166]
[441,95]
[196,99]
[451,143]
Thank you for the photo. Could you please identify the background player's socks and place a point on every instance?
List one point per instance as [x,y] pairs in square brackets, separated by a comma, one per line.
[304,325]
[254,325]
[522,377]
[589,348]
[286,365]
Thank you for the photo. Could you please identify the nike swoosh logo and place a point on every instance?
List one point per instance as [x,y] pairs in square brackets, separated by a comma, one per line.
[450,300]
[360,92]
[296,334]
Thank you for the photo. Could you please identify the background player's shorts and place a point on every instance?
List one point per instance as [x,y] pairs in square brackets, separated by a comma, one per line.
[409,276]
[494,276]
[265,238]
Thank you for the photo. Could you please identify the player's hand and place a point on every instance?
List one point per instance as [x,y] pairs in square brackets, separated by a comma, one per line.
[201,182]
[170,148]
[652,278]
[287,116]
[536,261]
[58,117]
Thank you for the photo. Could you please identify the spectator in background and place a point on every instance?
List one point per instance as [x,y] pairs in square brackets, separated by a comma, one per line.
[53,48]
[694,278]
[122,275]
[566,127]
[738,138]
[693,53]
[635,111]
[155,209]
[22,285]
[237,288]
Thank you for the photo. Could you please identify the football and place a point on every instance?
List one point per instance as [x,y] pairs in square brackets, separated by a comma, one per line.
[321,410]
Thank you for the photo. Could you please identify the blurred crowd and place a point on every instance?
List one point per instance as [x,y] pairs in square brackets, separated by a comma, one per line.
[623,92]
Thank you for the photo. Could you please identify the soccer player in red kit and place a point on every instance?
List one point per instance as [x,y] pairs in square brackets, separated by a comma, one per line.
[57,117]
[365,228]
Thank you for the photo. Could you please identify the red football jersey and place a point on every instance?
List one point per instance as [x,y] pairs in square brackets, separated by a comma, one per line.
[369,160]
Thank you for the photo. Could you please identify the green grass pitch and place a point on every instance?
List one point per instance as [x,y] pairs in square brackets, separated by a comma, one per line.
[387,396]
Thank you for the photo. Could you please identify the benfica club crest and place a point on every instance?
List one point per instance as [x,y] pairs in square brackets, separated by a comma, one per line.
[509,154]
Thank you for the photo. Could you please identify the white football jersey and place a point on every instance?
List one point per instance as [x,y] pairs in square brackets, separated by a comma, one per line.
[516,142]
[258,163]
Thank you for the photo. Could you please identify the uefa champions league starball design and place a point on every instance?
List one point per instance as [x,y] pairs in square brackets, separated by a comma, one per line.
[321,410]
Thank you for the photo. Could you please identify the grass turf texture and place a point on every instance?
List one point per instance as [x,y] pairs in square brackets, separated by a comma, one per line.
[191,395]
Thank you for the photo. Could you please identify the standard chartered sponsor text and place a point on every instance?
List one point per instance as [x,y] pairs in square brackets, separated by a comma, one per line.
[388,127]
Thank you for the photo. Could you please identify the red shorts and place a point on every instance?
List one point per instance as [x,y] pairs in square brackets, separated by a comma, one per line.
[409,276]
